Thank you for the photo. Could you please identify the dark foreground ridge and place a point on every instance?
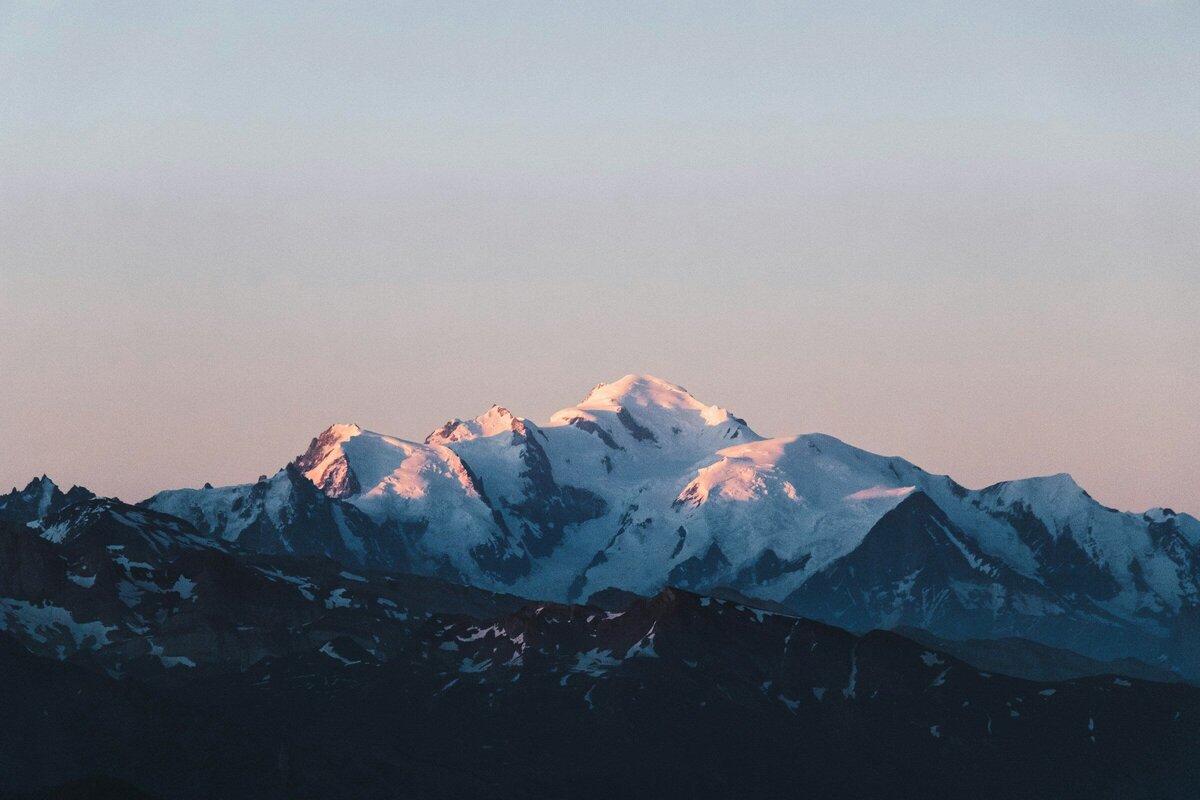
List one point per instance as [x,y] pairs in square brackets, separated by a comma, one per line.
[383,686]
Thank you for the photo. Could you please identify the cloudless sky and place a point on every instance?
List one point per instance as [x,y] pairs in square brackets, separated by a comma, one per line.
[966,233]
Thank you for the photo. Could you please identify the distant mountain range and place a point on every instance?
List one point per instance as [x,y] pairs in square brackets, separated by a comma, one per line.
[643,581]
[641,486]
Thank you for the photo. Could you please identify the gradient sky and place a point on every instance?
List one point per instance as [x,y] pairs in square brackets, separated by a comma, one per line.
[965,233]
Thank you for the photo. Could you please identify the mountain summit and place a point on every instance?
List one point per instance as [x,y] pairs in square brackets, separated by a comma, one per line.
[647,391]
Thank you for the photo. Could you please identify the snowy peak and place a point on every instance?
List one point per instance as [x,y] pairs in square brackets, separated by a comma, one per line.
[496,420]
[1053,488]
[646,391]
[642,390]
[325,442]
[324,462]
[1054,499]
[642,410]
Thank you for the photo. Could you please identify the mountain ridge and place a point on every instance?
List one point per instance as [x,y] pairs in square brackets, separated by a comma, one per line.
[641,485]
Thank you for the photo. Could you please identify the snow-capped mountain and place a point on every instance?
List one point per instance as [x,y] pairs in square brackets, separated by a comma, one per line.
[266,638]
[447,518]
[641,485]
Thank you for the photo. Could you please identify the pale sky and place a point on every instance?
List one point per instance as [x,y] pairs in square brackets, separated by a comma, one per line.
[964,233]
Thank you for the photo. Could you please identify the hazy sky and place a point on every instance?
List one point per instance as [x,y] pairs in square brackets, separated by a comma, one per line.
[965,233]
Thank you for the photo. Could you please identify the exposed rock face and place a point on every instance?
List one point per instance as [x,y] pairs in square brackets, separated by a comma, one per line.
[40,498]
[324,464]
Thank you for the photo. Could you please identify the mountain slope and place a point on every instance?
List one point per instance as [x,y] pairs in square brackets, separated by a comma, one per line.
[916,568]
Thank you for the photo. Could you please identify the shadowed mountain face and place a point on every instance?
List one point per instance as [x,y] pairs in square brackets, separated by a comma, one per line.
[916,568]
[678,695]
[40,498]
